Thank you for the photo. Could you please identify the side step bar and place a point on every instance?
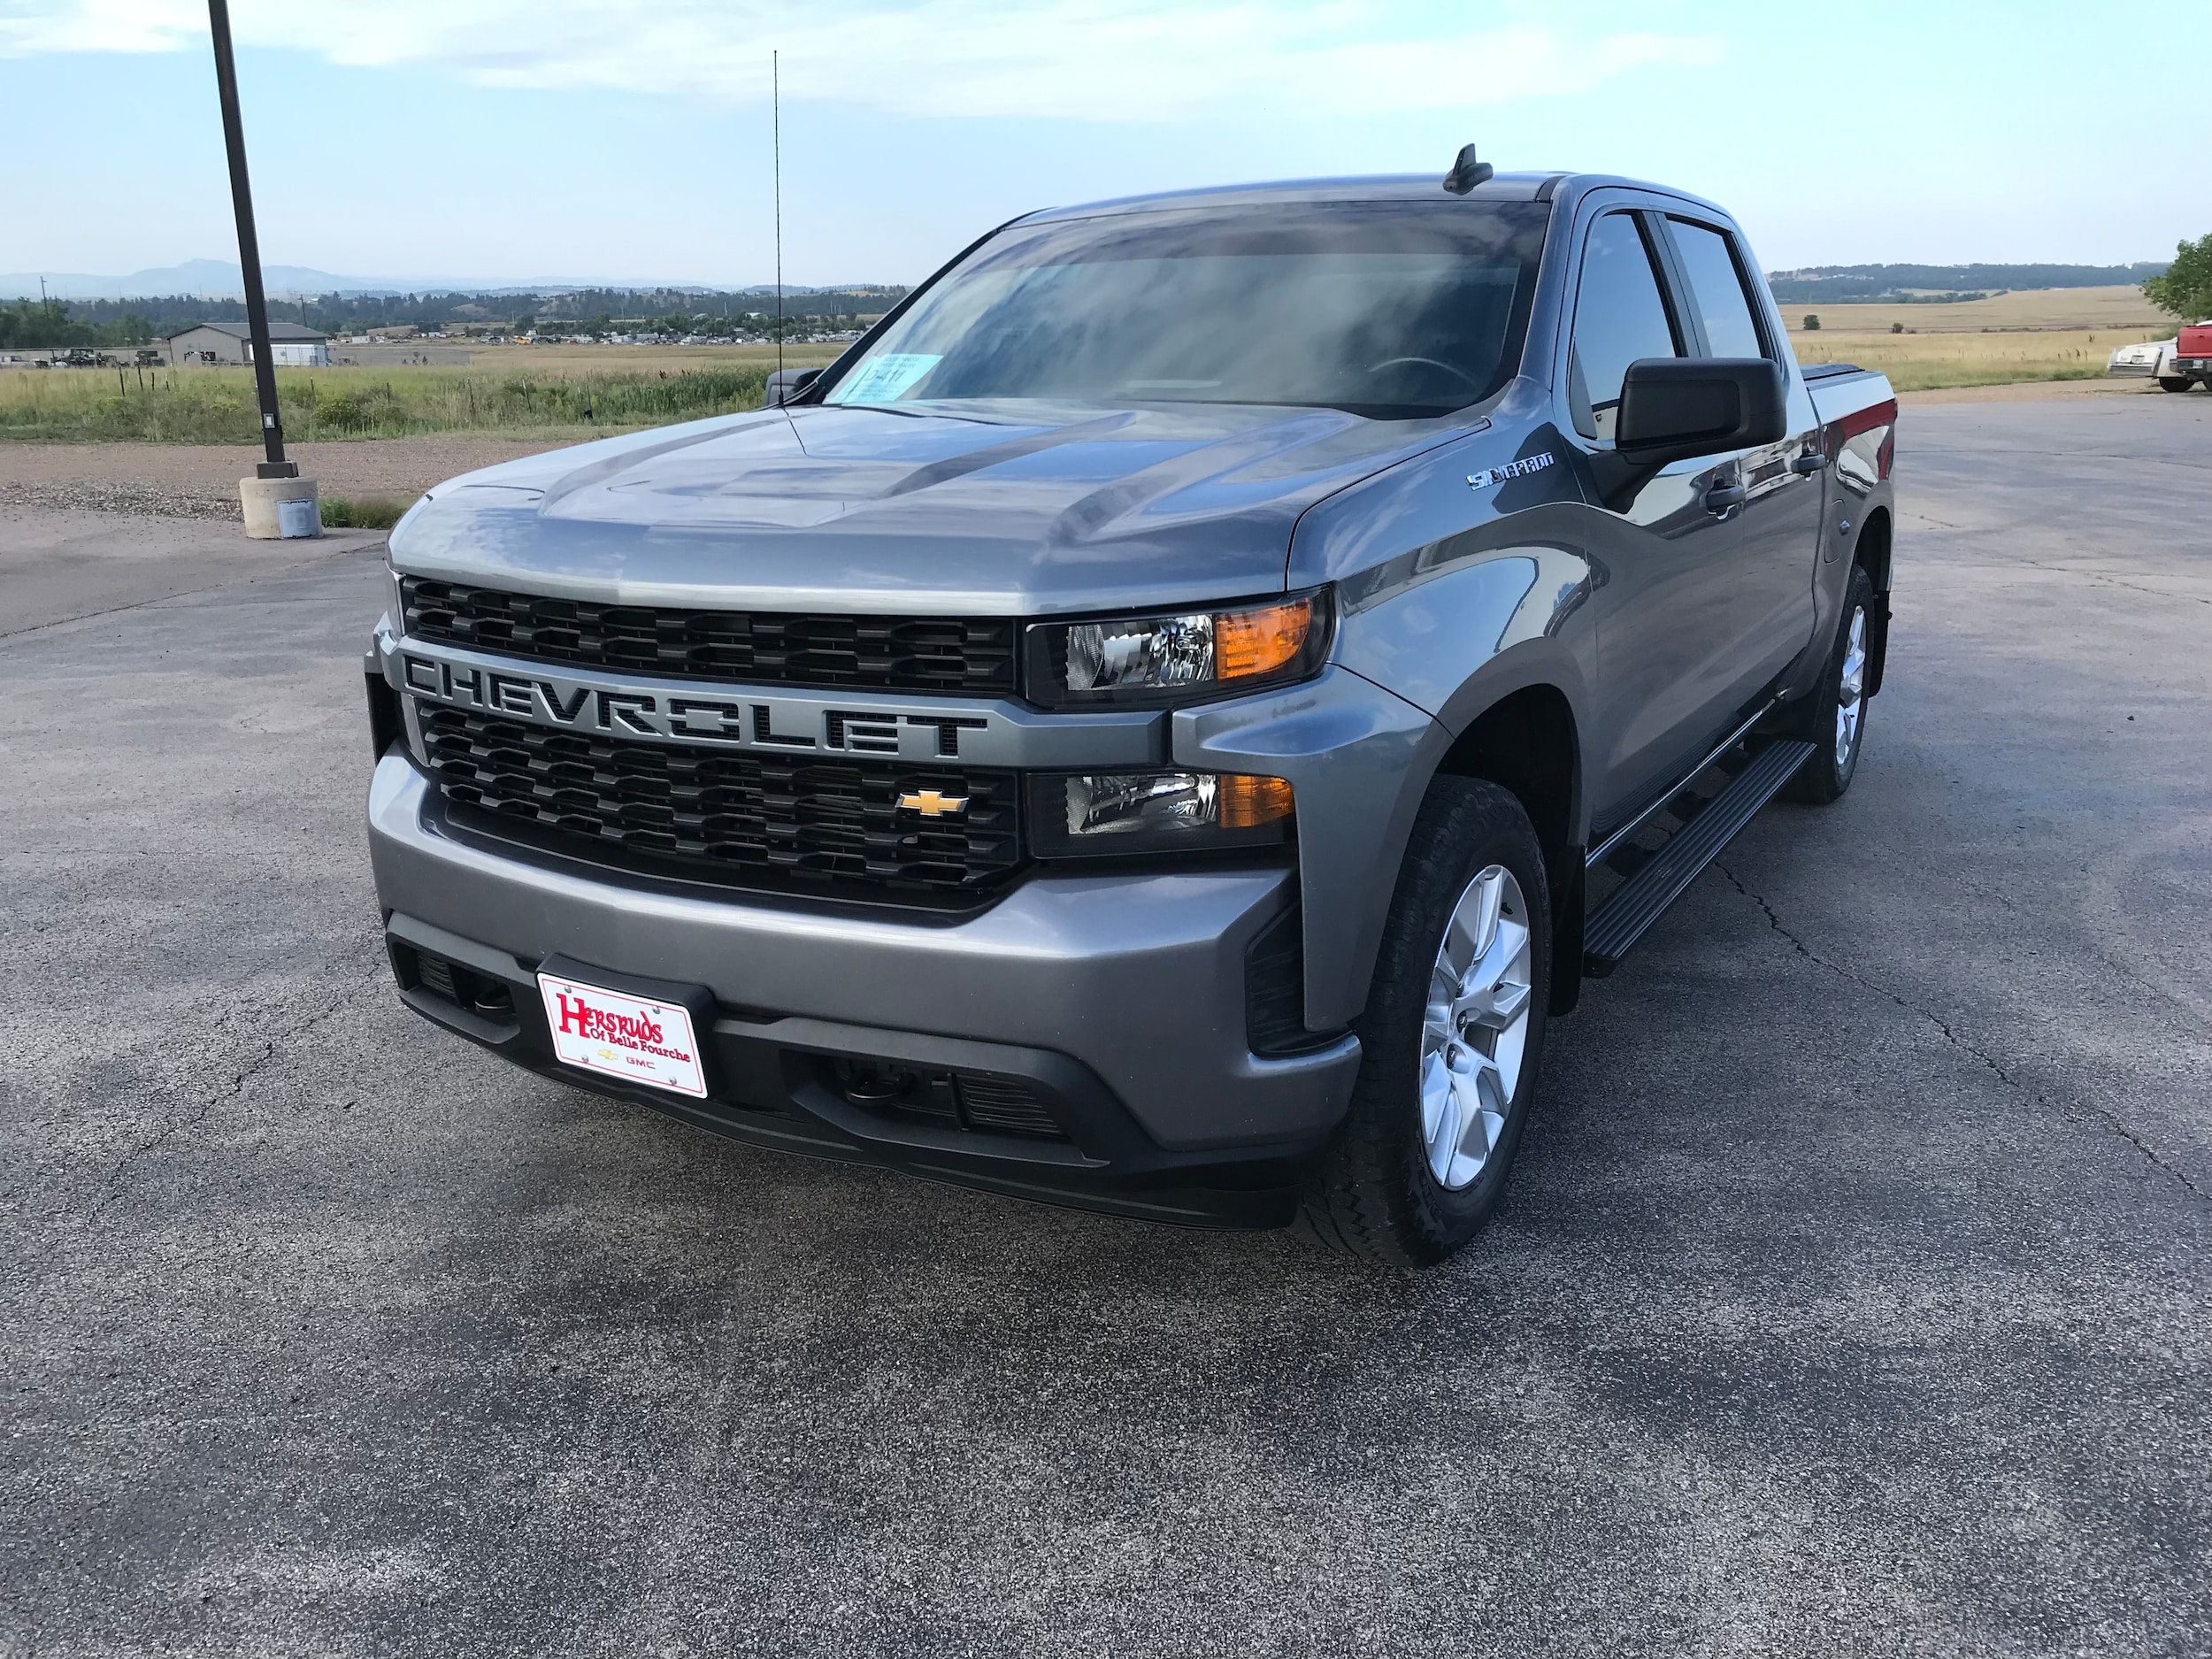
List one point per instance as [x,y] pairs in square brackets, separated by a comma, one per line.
[1638,902]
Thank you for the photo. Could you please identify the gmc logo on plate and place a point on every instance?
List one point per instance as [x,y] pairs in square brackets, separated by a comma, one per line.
[741,723]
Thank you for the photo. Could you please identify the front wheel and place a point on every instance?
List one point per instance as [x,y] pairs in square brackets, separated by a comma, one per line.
[1450,1040]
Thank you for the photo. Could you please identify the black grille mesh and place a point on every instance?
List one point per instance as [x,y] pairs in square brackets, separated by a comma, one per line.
[738,817]
[940,654]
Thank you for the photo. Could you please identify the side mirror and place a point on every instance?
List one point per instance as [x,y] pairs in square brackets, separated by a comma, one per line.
[785,384]
[1672,409]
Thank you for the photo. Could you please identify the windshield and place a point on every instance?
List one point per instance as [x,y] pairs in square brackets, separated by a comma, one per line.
[1394,310]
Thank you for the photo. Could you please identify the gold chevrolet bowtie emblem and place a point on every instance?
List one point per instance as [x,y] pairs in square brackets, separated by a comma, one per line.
[929,803]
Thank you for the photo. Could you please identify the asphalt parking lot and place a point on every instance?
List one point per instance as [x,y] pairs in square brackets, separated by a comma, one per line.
[1851,1296]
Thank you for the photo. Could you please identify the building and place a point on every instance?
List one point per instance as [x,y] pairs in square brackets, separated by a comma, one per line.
[291,345]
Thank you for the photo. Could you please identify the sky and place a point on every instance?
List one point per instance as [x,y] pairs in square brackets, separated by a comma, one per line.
[629,141]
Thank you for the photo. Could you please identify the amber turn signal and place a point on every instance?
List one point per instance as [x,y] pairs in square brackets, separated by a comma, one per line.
[1248,801]
[1256,642]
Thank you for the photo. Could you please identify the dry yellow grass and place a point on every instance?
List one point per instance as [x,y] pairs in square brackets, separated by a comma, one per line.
[2043,335]
[1916,362]
[579,391]
[2085,309]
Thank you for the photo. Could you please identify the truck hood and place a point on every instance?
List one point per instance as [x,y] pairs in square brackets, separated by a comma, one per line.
[981,509]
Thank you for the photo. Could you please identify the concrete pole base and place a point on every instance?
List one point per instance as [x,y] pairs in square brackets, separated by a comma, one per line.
[280,508]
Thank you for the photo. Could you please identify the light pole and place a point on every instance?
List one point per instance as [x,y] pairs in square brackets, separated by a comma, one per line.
[249,249]
[276,500]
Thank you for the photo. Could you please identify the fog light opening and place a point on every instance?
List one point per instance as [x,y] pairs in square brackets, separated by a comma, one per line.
[871,1084]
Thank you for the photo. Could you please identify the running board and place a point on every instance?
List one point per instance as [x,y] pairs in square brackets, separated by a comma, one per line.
[1643,898]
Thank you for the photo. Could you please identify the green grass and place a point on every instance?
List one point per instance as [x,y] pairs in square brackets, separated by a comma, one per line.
[216,405]
[362,512]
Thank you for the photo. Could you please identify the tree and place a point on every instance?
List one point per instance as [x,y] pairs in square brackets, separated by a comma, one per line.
[43,323]
[2185,288]
[1812,322]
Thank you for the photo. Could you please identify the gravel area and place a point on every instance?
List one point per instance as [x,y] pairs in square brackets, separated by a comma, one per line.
[183,481]
[2032,391]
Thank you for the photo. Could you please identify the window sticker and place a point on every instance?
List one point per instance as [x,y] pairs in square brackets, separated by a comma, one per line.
[880,380]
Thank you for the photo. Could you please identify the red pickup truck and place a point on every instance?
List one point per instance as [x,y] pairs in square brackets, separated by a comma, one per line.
[2191,359]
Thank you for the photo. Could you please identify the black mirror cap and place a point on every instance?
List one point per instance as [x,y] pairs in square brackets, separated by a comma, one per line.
[1673,408]
[785,384]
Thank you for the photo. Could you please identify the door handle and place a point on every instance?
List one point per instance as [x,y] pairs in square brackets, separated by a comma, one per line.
[1812,461]
[1722,497]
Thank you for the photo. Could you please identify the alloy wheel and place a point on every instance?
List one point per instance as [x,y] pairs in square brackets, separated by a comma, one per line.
[1850,705]
[1474,1031]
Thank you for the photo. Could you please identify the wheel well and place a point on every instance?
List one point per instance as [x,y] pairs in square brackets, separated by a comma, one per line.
[1872,555]
[1527,743]
[1872,550]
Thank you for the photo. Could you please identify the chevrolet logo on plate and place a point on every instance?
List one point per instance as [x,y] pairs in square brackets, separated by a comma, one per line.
[929,803]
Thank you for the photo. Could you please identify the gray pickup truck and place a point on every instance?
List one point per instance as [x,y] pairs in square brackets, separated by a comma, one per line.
[1162,723]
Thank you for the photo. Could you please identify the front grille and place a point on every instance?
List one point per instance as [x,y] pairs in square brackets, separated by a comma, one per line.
[1003,1106]
[742,819]
[950,1100]
[968,655]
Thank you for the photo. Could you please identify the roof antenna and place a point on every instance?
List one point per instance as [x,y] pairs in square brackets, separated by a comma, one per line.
[1467,173]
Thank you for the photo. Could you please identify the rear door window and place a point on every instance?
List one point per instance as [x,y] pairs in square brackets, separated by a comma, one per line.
[1716,291]
[1619,318]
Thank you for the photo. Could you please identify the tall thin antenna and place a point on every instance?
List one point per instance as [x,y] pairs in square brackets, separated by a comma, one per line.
[775,117]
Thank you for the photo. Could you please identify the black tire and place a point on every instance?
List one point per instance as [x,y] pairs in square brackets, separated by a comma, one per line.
[1373,1196]
[2170,383]
[1825,775]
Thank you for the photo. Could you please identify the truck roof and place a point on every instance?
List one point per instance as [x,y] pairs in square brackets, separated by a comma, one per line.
[1504,186]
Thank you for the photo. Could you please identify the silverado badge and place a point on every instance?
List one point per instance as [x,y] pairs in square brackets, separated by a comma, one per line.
[1521,468]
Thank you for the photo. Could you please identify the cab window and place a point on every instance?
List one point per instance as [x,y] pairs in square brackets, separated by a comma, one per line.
[1619,318]
[1716,290]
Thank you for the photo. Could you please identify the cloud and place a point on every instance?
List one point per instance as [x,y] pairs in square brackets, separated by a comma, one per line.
[1140,60]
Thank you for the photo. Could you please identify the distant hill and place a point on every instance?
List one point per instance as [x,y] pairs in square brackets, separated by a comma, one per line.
[1893,282]
[219,279]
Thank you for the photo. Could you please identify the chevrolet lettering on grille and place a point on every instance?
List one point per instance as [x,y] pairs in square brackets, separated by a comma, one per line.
[775,724]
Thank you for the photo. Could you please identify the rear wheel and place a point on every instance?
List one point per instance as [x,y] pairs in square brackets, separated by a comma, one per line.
[1450,1041]
[2173,383]
[1836,720]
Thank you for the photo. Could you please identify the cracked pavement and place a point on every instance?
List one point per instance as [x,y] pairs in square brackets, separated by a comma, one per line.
[1850,1298]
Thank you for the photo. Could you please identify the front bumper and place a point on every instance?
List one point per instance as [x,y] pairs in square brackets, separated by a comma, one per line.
[1116,1001]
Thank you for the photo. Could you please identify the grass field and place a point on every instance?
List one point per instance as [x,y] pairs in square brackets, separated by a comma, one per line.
[1920,363]
[2046,335]
[2087,309]
[574,392]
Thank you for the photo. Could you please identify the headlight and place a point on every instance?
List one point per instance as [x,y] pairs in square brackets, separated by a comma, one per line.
[1178,658]
[1091,815]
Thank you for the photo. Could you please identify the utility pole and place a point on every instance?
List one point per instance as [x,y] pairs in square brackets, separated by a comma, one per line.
[775,116]
[248,248]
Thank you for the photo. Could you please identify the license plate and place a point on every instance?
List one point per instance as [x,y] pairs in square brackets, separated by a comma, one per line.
[615,1034]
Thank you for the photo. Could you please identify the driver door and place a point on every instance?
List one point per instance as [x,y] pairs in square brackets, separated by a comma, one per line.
[1668,556]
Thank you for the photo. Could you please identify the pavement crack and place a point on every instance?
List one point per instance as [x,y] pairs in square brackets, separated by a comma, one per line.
[112,1185]
[1951,1035]
[2114,581]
